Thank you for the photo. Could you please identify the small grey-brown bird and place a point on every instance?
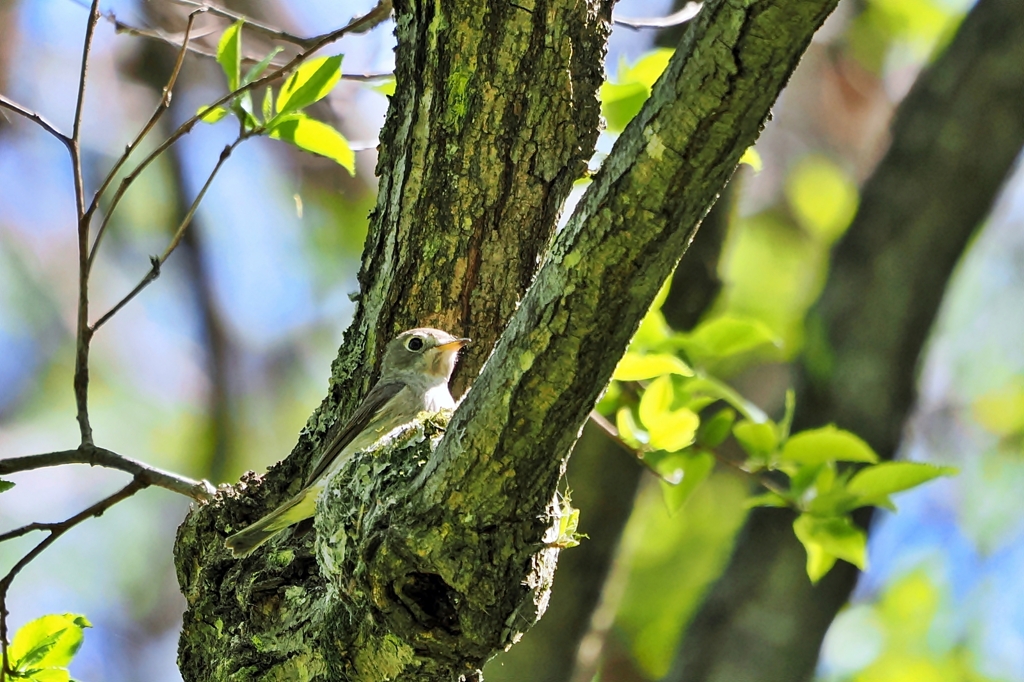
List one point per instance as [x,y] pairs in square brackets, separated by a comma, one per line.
[414,378]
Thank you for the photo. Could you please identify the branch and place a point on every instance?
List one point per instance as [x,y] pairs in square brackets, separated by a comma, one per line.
[56,530]
[689,11]
[81,375]
[174,41]
[156,262]
[97,456]
[623,241]
[33,116]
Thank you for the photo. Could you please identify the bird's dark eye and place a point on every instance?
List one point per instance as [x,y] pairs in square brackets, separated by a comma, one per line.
[414,344]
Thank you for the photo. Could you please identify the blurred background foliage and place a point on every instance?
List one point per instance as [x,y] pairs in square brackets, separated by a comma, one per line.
[216,367]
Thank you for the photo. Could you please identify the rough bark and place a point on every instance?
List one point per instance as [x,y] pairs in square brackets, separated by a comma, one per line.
[429,560]
[954,140]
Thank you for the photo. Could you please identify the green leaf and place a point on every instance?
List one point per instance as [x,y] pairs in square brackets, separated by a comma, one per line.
[47,642]
[314,136]
[823,196]
[229,54]
[629,431]
[242,106]
[827,444]
[211,115]
[385,87]
[310,83]
[829,538]
[705,385]
[656,400]
[641,366]
[787,418]
[50,675]
[5,485]
[695,469]
[714,431]
[653,333]
[1002,411]
[759,439]
[881,480]
[723,337]
[768,499]
[268,104]
[673,430]
[622,100]
[752,159]
[257,70]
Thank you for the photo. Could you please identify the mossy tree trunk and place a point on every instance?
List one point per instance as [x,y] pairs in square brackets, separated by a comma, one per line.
[438,551]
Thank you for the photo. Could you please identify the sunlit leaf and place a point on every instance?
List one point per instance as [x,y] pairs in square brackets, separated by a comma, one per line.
[887,478]
[768,499]
[827,444]
[211,115]
[257,69]
[823,197]
[47,642]
[622,99]
[268,104]
[715,430]
[752,159]
[316,137]
[828,538]
[722,337]
[5,485]
[656,400]
[385,87]
[229,54]
[629,431]
[310,83]
[653,333]
[641,366]
[695,469]
[758,439]
[673,430]
[1002,411]
[787,417]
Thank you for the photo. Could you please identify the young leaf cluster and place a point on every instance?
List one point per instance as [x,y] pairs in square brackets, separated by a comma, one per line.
[42,649]
[281,115]
[676,416]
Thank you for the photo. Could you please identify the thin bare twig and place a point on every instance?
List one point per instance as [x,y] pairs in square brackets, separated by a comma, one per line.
[56,530]
[174,41]
[689,11]
[154,270]
[97,456]
[35,117]
[81,377]
[250,23]
[165,102]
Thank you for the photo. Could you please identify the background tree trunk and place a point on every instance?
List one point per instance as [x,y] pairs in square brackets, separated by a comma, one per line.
[954,141]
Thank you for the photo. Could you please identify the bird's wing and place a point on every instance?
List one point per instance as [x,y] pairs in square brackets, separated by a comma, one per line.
[378,396]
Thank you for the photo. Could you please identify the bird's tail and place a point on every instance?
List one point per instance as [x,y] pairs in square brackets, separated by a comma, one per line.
[294,510]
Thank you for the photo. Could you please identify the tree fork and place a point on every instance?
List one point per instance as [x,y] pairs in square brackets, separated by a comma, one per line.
[445,554]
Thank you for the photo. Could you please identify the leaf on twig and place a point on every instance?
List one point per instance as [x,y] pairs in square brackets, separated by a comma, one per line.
[229,54]
[310,83]
[314,136]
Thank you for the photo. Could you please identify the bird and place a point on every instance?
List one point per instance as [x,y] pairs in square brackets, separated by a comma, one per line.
[414,378]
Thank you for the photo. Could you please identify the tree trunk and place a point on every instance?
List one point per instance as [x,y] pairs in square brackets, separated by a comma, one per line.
[954,140]
[428,560]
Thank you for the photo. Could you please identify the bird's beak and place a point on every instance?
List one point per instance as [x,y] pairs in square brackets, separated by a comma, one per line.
[454,345]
